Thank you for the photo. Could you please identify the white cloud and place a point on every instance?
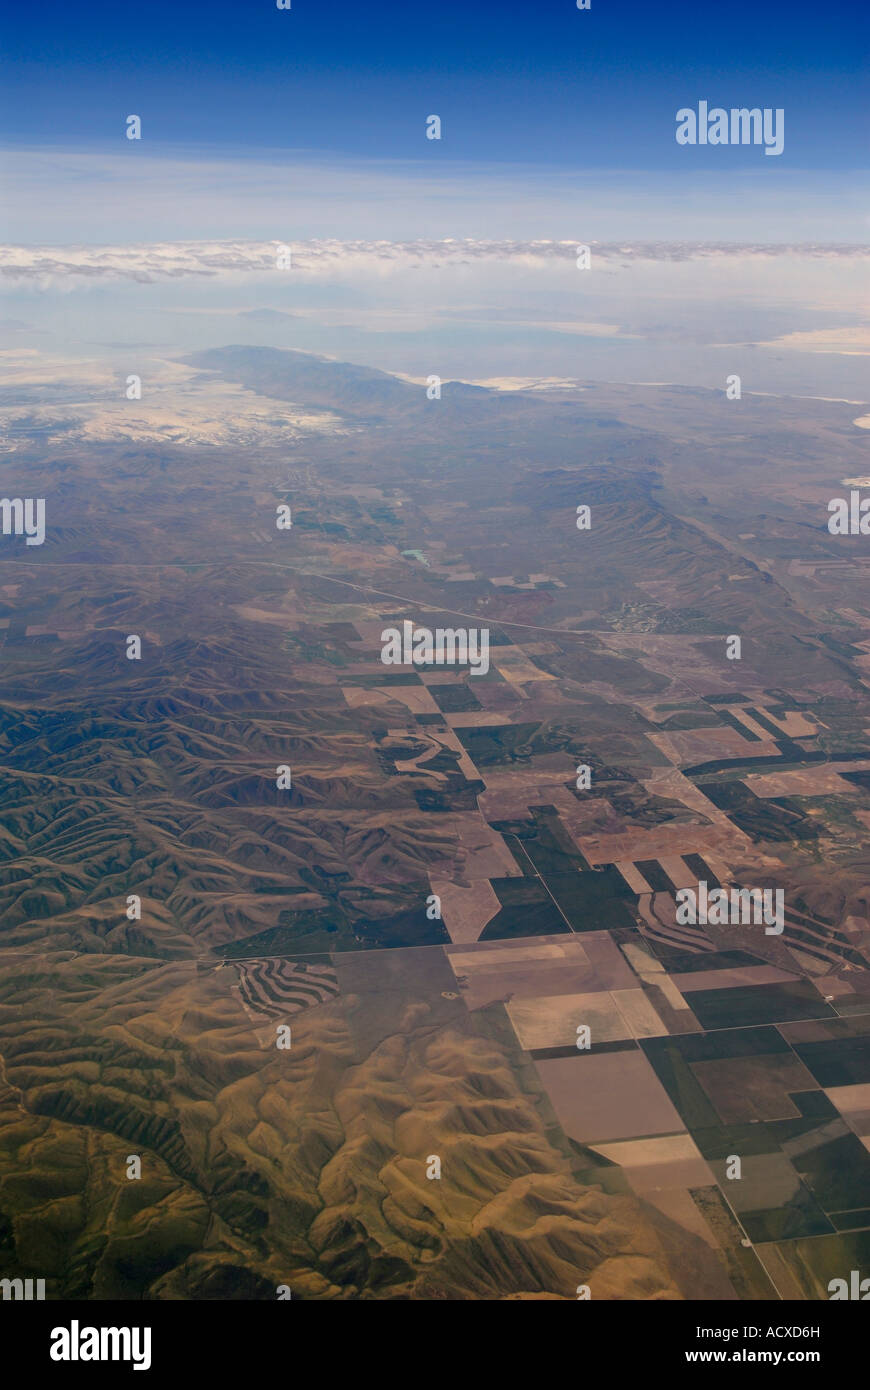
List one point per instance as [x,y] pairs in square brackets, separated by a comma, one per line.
[146,263]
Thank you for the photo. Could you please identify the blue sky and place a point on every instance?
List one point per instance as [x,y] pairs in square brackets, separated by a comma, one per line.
[517,82]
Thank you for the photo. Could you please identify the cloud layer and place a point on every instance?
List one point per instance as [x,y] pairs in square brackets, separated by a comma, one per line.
[163,261]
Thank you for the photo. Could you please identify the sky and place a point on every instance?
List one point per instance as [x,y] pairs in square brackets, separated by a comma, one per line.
[515,82]
[543,107]
[262,126]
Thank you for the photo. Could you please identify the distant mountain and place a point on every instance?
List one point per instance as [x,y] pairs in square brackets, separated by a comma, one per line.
[288,375]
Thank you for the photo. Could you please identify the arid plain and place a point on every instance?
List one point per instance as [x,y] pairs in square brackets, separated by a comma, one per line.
[149,1031]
